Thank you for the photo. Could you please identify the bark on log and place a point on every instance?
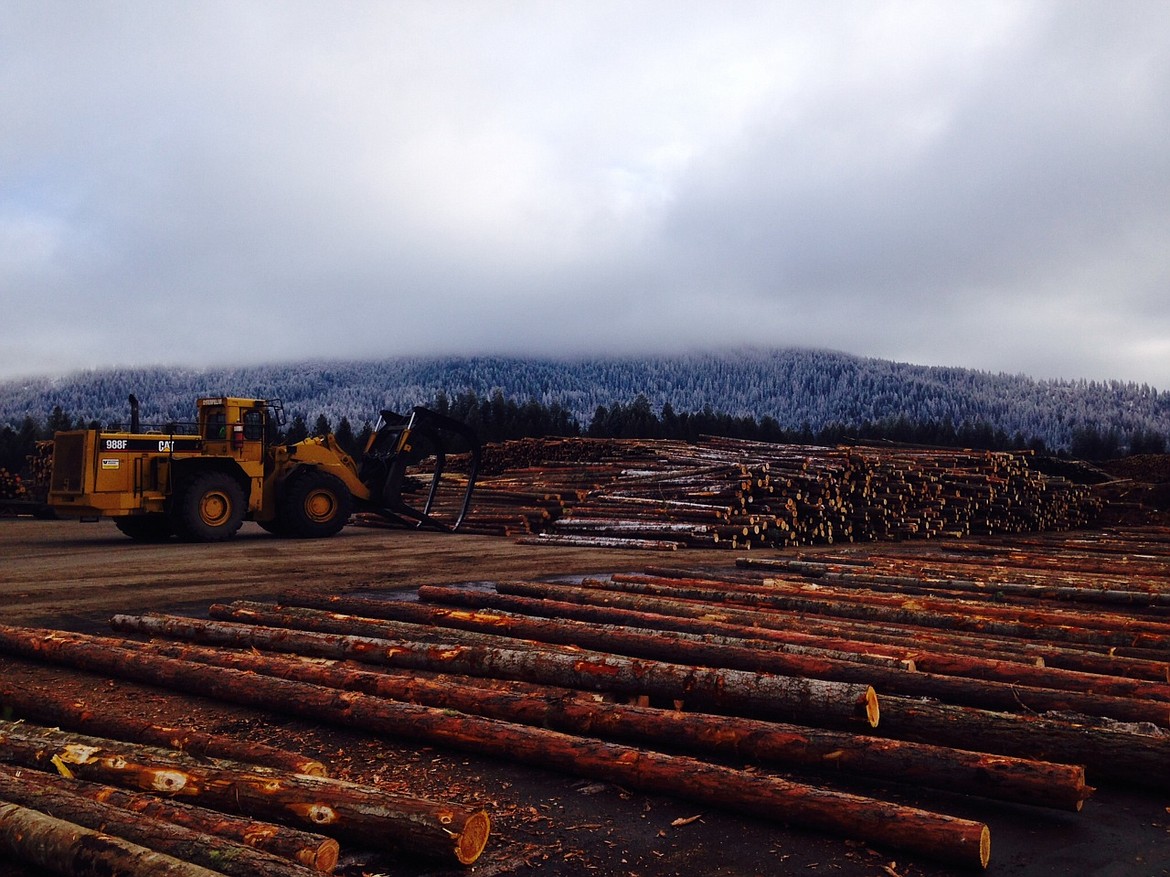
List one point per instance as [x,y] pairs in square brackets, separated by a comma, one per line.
[61,847]
[306,848]
[735,691]
[619,638]
[1108,750]
[45,706]
[857,647]
[941,837]
[973,773]
[778,590]
[365,814]
[1149,636]
[965,584]
[606,607]
[1103,660]
[926,661]
[627,543]
[29,788]
[970,692]
[905,651]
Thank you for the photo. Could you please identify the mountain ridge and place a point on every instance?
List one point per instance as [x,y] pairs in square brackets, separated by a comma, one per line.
[798,387]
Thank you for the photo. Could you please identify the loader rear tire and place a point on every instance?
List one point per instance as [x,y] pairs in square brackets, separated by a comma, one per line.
[313,504]
[208,507]
[145,528]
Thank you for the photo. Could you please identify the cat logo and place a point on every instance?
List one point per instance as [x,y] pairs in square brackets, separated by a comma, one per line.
[110,463]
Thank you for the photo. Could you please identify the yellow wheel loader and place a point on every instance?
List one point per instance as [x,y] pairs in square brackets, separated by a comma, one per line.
[202,485]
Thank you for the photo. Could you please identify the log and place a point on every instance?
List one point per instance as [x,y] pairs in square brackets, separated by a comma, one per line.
[734,691]
[1010,779]
[981,668]
[61,847]
[306,848]
[738,652]
[971,692]
[1039,616]
[1024,593]
[1102,660]
[348,811]
[1109,750]
[974,617]
[23,787]
[622,542]
[904,652]
[850,637]
[921,832]
[42,705]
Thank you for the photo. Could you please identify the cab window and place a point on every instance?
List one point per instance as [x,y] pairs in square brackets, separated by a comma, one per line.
[253,425]
[216,425]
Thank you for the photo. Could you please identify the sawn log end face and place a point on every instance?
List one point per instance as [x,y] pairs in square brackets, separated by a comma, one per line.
[872,709]
[470,843]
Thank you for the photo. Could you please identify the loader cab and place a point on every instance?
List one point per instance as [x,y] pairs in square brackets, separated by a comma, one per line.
[235,428]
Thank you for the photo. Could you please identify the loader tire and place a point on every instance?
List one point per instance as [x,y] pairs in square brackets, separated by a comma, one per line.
[145,528]
[313,504]
[209,507]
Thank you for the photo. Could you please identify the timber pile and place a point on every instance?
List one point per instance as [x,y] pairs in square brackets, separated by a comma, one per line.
[795,687]
[634,746]
[741,494]
[140,809]
[40,464]
[12,486]
[19,491]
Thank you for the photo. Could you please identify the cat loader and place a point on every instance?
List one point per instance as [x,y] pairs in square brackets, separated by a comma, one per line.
[202,486]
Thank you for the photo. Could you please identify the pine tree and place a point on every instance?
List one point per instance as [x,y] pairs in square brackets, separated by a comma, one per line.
[345,436]
[298,430]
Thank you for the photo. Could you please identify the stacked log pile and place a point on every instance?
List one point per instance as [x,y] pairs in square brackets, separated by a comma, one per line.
[12,486]
[19,493]
[740,494]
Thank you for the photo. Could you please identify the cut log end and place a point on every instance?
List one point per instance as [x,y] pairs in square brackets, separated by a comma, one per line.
[323,858]
[868,706]
[984,846]
[470,843]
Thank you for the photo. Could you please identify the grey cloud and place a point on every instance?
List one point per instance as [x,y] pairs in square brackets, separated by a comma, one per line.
[979,185]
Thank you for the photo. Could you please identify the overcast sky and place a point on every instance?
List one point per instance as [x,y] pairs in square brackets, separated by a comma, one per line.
[978,184]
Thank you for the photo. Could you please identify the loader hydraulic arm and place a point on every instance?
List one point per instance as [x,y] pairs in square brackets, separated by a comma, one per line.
[398,442]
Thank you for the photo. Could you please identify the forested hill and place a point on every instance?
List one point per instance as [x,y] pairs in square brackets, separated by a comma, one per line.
[800,389]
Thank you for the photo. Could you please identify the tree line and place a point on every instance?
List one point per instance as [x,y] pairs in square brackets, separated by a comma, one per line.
[823,390]
[496,418]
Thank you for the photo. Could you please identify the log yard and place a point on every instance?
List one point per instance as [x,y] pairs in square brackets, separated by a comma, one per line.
[632,657]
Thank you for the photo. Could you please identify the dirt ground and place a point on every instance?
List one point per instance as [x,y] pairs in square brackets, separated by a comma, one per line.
[68,575]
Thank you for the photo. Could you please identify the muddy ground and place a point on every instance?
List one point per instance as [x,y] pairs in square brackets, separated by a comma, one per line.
[69,575]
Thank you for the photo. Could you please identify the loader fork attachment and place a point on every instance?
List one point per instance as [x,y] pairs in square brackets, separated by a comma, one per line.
[400,441]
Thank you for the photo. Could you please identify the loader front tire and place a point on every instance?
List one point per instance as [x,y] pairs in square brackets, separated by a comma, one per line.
[145,528]
[208,507]
[313,504]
